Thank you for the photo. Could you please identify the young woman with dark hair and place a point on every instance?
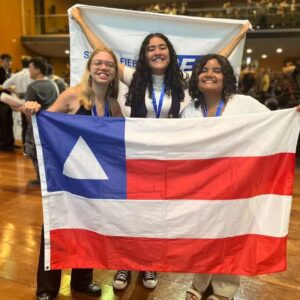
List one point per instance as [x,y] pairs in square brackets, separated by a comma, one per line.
[213,88]
[157,61]
[156,89]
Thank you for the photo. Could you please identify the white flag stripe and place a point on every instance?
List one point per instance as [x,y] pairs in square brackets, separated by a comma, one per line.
[46,212]
[172,219]
[241,136]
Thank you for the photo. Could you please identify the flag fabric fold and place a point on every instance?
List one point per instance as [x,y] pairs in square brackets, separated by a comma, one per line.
[208,195]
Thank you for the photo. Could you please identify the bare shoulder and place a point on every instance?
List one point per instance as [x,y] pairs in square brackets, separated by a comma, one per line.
[71,92]
[67,101]
[70,96]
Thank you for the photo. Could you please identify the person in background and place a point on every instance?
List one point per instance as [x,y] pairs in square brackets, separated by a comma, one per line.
[296,73]
[45,92]
[18,84]
[264,86]
[6,119]
[61,84]
[156,89]
[95,95]
[288,67]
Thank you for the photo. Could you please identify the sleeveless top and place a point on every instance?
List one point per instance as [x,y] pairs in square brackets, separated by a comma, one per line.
[82,111]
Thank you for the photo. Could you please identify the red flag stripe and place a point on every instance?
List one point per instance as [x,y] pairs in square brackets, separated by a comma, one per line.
[217,178]
[245,255]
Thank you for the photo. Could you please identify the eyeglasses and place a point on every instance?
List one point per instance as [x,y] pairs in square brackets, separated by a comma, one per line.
[108,64]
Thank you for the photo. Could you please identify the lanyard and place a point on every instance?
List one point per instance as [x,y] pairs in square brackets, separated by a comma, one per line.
[161,99]
[106,110]
[218,112]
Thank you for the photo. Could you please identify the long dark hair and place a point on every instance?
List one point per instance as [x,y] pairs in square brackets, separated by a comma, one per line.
[229,79]
[142,79]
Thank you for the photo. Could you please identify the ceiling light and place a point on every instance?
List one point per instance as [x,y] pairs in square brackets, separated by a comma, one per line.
[249,50]
[67,52]
[279,50]
[264,56]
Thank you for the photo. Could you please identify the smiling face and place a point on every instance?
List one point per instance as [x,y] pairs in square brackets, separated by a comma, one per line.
[103,68]
[210,78]
[157,55]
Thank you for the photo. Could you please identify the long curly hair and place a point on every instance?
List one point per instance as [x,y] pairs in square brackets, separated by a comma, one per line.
[229,79]
[87,94]
[142,78]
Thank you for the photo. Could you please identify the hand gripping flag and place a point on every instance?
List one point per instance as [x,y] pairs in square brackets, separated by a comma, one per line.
[209,195]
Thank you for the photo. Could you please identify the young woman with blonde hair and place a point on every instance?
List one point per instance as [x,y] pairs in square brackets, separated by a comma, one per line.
[96,95]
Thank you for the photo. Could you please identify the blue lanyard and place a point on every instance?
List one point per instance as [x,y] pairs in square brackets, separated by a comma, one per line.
[161,99]
[218,112]
[106,110]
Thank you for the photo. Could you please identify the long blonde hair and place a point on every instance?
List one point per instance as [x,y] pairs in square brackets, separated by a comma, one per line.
[87,94]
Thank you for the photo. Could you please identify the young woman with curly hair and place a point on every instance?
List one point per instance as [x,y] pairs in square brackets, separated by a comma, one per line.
[213,89]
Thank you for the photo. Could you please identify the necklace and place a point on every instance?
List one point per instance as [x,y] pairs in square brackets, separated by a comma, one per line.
[106,110]
[218,111]
[157,110]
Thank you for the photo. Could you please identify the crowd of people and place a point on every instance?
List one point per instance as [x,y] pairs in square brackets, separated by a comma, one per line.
[168,8]
[157,88]
[277,90]
[262,13]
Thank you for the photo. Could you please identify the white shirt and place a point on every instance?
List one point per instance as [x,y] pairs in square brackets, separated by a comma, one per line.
[236,105]
[20,80]
[157,85]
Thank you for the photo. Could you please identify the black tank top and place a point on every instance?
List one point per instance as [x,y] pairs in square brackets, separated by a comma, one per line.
[82,111]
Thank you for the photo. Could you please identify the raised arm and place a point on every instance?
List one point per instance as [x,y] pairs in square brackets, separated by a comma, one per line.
[234,42]
[94,40]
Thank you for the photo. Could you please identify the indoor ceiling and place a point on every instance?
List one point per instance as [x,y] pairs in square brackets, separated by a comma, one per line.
[267,41]
[49,45]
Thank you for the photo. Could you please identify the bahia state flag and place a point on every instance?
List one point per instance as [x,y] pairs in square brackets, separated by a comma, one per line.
[206,195]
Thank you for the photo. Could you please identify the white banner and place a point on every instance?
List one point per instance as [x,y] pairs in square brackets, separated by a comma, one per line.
[124,31]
